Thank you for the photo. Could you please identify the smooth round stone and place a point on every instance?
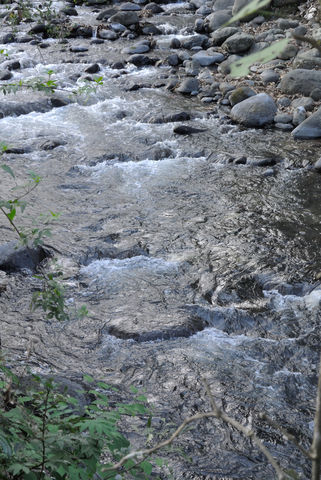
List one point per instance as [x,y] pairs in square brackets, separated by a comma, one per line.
[284,102]
[79,49]
[139,48]
[207,100]
[117,27]
[270,76]
[283,118]
[255,111]
[130,7]
[299,115]
[206,59]
[107,35]
[316,94]
[287,127]
[189,86]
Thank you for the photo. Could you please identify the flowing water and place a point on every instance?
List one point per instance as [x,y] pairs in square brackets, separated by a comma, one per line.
[189,265]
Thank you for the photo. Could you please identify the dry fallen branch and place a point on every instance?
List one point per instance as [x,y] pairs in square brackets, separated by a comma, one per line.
[216,412]
[312,41]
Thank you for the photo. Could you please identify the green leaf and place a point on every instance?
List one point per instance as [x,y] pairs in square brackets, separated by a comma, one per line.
[7,169]
[88,378]
[11,214]
[250,8]
[147,467]
[5,446]
[241,67]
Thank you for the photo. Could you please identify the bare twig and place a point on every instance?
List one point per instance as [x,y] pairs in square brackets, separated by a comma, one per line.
[216,412]
[286,434]
[312,41]
[165,443]
[247,432]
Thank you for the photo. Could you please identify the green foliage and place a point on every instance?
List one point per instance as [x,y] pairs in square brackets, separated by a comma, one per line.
[10,207]
[47,434]
[49,86]
[242,66]
[26,10]
[51,298]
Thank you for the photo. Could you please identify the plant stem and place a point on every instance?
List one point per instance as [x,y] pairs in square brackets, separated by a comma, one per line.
[316,442]
[11,222]
[43,432]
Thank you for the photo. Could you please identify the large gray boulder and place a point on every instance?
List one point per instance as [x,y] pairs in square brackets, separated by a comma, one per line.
[309,59]
[310,128]
[217,19]
[219,36]
[255,111]
[238,43]
[125,18]
[300,81]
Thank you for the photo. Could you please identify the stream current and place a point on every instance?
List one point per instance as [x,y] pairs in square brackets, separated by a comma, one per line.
[189,265]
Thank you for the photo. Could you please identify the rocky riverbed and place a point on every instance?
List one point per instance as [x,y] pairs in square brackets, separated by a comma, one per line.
[191,235]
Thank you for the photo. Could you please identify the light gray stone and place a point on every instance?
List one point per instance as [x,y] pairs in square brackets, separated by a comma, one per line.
[317,165]
[138,48]
[283,118]
[129,7]
[310,128]
[205,59]
[287,127]
[301,81]
[299,115]
[255,111]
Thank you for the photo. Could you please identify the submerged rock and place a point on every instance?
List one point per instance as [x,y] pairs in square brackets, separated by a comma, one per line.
[14,258]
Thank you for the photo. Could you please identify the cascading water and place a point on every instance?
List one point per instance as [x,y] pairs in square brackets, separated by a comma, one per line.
[189,265]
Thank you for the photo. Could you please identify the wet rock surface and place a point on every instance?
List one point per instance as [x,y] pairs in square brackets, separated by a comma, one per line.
[194,245]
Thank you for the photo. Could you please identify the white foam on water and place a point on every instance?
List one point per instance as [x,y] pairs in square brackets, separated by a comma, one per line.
[167,29]
[109,269]
[280,302]
[37,124]
[136,174]
[172,6]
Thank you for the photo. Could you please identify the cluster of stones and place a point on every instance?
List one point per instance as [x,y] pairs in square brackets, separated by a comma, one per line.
[285,93]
